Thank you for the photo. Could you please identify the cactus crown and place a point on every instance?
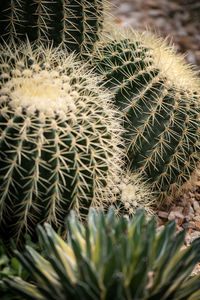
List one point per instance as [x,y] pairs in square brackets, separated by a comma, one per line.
[158,96]
[77,23]
[59,137]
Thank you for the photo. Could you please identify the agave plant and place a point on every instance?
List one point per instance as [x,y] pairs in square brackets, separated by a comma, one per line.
[9,266]
[109,258]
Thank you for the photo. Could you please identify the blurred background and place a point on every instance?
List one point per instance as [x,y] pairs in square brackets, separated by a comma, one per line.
[177,19]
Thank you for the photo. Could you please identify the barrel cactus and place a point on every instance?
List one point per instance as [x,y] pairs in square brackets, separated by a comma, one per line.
[110,258]
[159,99]
[131,192]
[59,138]
[75,23]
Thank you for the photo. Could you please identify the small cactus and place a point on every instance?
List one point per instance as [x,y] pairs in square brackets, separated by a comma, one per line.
[131,193]
[59,138]
[77,23]
[159,99]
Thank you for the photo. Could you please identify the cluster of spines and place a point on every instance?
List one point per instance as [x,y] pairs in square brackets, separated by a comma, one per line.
[131,193]
[161,113]
[76,23]
[59,138]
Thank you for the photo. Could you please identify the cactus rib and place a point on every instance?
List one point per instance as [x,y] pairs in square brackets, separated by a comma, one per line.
[76,23]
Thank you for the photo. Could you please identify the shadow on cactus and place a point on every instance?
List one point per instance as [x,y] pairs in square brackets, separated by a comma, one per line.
[59,138]
[76,23]
[158,95]
[110,258]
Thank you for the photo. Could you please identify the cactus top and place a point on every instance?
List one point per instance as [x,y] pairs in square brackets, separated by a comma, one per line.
[157,52]
[46,92]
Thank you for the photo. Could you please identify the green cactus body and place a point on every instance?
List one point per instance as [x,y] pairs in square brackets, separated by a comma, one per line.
[159,99]
[58,138]
[77,23]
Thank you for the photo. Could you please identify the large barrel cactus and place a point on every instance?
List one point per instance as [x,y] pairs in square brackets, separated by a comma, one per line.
[77,23]
[59,138]
[159,99]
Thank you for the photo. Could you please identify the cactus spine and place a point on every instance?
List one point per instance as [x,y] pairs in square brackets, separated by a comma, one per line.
[58,138]
[131,193]
[159,97]
[77,23]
